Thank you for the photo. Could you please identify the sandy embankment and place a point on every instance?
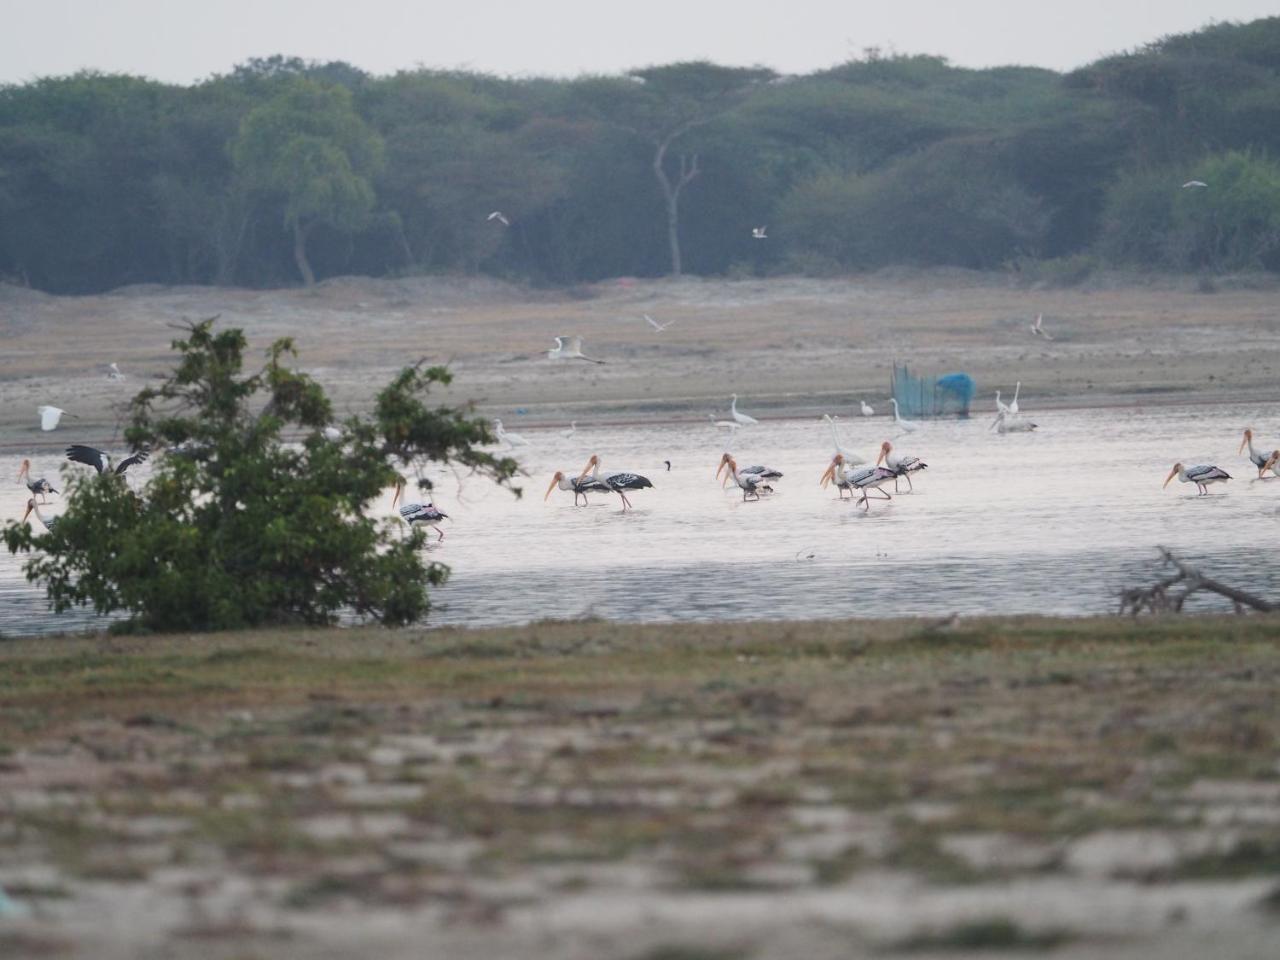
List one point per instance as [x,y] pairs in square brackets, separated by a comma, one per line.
[788,346]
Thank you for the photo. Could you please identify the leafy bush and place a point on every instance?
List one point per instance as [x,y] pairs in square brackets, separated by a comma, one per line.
[239,525]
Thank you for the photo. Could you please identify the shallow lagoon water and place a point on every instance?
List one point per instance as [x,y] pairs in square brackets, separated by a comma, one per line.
[1052,522]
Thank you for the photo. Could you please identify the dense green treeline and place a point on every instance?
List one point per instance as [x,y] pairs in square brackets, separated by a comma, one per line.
[284,171]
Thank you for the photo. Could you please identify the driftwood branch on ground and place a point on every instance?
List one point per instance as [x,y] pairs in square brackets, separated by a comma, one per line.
[1168,594]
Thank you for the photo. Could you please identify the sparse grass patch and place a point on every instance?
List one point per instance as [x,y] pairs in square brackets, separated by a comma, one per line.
[991,933]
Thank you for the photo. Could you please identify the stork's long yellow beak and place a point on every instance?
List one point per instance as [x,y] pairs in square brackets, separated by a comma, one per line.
[399,491]
[724,460]
[28,513]
[1172,474]
[829,474]
[1243,442]
[554,481]
[587,469]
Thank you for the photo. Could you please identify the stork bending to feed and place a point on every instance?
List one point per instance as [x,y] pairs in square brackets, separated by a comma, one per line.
[38,487]
[1201,475]
[578,485]
[865,479]
[760,473]
[901,466]
[1259,459]
[618,482]
[750,483]
[426,513]
[102,462]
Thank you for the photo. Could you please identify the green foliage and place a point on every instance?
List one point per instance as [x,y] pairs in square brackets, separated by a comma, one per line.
[237,527]
[106,180]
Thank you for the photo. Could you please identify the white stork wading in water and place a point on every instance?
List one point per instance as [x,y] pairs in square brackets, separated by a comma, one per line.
[578,485]
[865,479]
[33,507]
[1201,475]
[849,455]
[38,487]
[750,483]
[906,426]
[761,473]
[426,513]
[1258,458]
[79,453]
[618,482]
[901,466]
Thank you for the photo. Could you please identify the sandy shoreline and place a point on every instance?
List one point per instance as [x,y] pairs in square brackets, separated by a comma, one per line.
[789,347]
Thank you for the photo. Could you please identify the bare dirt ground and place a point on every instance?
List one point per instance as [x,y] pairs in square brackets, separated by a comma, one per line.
[591,791]
[788,346]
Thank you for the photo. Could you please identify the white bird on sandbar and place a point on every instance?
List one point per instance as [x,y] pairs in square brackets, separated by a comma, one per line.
[656,325]
[49,417]
[113,372]
[740,418]
[33,507]
[37,487]
[1259,458]
[1038,329]
[1013,404]
[906,426]
[760,472]
[902,466]
[1201,475]
[850,456]
[1004,423]
[569,348]
[867,409]
[865,479]
[619,481]
[1001,406]
[510,439]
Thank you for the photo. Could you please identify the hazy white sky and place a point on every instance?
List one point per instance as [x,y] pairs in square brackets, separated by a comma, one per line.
[185,40]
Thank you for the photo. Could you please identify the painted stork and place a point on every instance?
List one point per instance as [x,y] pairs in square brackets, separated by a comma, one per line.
[37,487]
[901,466]
[578,485]
[618,482]
[1201,475]
[79,453]
[740,418]
[760,473]
[849,455]
[33,507]
[750,483]
[1258,458]
[865,479]
[423,513]
[906,426]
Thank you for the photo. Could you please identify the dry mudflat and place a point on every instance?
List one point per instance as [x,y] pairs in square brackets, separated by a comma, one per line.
[789,346]
[590,791]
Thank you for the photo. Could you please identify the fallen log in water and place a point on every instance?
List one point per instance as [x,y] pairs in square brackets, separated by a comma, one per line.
[1170,593]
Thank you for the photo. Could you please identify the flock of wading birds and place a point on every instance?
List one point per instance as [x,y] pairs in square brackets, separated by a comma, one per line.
[847,470]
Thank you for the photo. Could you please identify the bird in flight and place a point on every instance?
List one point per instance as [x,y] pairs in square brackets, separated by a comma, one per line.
[497,215]
[1194,183]
[49,417]
[1038,329]
[102,462]
[569,348]
[758,233]
[656,325]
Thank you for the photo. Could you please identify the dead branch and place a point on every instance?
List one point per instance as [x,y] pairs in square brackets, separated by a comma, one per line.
[1170,593]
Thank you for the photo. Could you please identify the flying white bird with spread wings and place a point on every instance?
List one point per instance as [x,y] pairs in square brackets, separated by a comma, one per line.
[49,417]
[656,325]
[569,348]
[1194,183]
[1037,328]
[497,215]
[759,233]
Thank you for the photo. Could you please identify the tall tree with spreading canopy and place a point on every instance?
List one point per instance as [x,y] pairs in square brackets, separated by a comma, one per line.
[663,105]
[309,147]
[241,526]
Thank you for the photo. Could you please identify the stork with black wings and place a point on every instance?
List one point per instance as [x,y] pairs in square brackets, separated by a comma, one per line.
[102,462]
[424,513]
